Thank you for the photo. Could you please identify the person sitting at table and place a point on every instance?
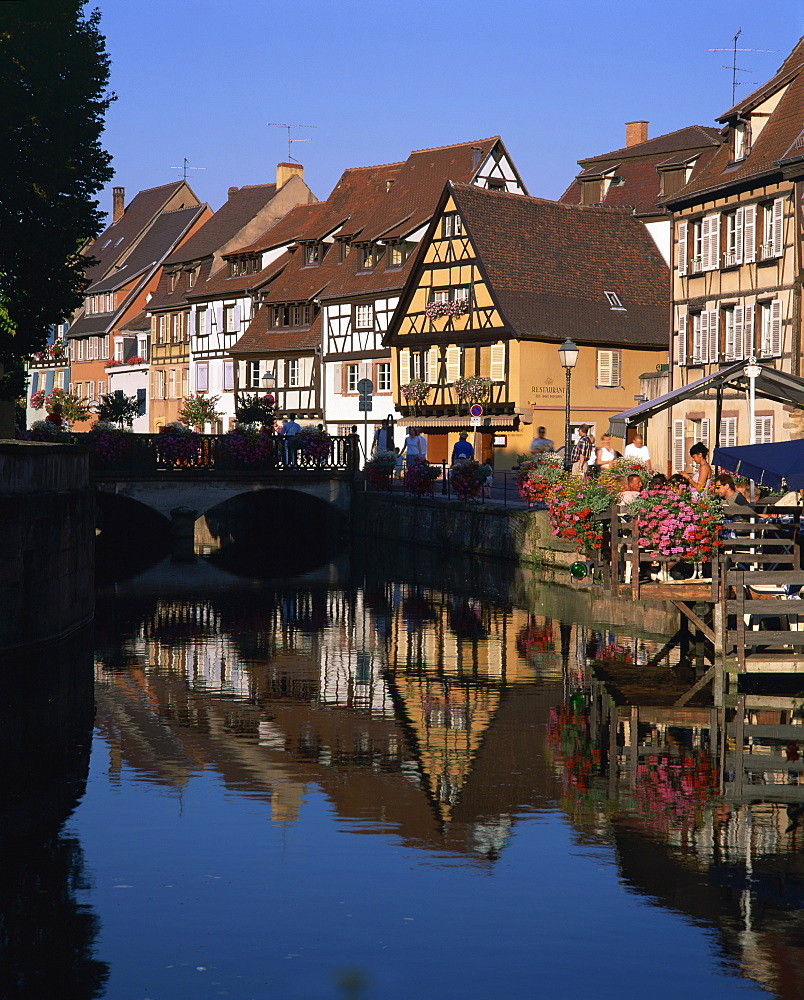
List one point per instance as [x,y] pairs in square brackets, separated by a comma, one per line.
[634,487]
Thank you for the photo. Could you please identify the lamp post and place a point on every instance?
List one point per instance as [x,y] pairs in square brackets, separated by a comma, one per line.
[568,352]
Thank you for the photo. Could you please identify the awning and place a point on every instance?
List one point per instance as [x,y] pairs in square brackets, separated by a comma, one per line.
[770,384]
[492,424]
[771,465]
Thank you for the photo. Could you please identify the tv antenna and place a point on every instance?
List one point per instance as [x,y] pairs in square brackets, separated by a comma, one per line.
[186,166]
[290,140]
[735,69]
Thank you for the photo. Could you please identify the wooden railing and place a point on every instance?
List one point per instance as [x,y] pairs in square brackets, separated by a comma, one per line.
[146,454]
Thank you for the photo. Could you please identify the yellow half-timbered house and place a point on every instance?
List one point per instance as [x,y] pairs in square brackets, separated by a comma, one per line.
[500,282]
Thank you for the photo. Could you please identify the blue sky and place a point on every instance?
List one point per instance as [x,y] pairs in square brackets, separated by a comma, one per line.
[557,80]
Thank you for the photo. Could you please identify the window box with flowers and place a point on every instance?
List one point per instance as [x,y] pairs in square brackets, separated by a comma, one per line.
[416,391]
[450,307]
[473,389]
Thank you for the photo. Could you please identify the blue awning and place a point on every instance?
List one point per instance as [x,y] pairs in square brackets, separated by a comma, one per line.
[775,465]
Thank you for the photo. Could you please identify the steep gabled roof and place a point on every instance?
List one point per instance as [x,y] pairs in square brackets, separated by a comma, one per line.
[239,208]
[261,338]
[636,166]
[163,235]
[548,266]
[775,142]
[119,237]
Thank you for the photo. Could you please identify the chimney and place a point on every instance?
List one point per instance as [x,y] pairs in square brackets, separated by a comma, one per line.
[635,132]
[232,191]
[118,203]
[284,171]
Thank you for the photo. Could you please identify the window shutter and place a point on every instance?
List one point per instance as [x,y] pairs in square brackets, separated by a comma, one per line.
[431,371]
[748,332]
[705,431]
[219,317]
[775,339]
[778,223]
[701,346]
[237,312]
[453,363]
[201,377]
[711,242]
[678,445]
[682,248]
[763,430]
[681,339]
[714,336]
[497,363]
[404,365]
[337,379]
[749,234]
[208,324]
[739,217]
[191,323]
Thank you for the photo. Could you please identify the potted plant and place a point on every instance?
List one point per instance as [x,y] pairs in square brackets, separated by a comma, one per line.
[436,309]
[672,525]
[468,479]
[538,477]
[472,389]
[420,477]
[379,469]
[416,391]
[177,444]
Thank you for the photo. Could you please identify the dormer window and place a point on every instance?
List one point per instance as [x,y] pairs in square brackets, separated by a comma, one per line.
[741,139]
[174,278]
[614,301]
[312,254]
[397,254]
[244,265]
[368,258]
[193,276]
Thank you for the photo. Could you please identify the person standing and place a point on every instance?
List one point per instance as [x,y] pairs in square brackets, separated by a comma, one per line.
[383,437]
[702,470]
[581,450]
[639,450]
[606,455]
[462,451]
[541,444]
[290,447]
[410,449]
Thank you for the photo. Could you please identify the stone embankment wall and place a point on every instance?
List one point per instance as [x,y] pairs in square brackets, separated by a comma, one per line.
[47,519]
[521,536]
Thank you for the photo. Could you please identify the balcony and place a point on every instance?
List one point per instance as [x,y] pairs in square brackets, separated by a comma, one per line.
[443,401]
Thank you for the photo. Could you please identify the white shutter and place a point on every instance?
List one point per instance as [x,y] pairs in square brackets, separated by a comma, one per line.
[728,432]
[453,363]
[237,312]
[682,248]
[747,347]
[775,338]
[431,372]
[749,234]
[681,339]
[616,368]
[763,430]
[714,336]
[704,428]
[191,323]
[604,368]
[710,237]
[208,326]
[696,338]
[701,339]
[739,217]
[678,445]
[337,379]
[219,317]
[777,223]
[497,363]
[404,365]
[731,331]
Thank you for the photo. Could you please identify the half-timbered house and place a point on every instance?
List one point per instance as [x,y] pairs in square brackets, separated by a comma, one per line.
[129,256]
[203,302]
[500,282]
[737,271]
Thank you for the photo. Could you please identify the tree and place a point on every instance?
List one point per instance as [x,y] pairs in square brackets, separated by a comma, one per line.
[255,409]
[54,71]
[198,410]
[117,408]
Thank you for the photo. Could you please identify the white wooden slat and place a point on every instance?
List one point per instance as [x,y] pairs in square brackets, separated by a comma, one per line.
[739,218]
[678,445]
[337,379]
[777,226]
[497,363]
[748,330]
[682,248]
[681,338]
[775,339]
[453,363]
[714,336]
[749,234]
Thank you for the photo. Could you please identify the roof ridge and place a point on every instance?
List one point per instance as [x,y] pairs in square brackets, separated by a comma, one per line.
[455,145]
[534,199]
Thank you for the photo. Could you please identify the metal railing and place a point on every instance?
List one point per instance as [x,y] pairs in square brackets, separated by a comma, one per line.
[153,454]
[500,489]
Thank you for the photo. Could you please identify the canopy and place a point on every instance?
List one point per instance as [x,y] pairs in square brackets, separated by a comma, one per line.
[770,384]
[771,465]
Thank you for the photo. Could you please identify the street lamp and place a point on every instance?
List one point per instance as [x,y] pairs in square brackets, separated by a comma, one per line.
[568,352]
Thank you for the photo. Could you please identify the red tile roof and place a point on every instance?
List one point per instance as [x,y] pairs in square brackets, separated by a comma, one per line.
[260,338]
[549,265]
[636,166]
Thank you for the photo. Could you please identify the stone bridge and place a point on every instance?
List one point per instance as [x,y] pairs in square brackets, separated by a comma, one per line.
[201,491]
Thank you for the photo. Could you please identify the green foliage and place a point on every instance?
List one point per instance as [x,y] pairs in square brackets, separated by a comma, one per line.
[255,409]
[117,408]
[198,410]
[54,72]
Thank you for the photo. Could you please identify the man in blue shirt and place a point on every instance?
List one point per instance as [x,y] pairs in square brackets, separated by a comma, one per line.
[290,450]
[462,450]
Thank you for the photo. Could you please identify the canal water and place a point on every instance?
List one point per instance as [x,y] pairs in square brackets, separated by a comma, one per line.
[386,777]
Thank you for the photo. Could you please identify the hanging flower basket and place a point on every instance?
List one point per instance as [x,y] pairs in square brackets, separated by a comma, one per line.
[468,479]
[420,477]
[379,470]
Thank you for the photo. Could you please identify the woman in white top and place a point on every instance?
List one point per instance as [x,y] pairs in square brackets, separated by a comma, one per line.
[606,455]
[702,470]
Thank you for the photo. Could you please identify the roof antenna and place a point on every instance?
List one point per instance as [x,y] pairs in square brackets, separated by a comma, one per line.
[735,69]
[289,127]
[187,167]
